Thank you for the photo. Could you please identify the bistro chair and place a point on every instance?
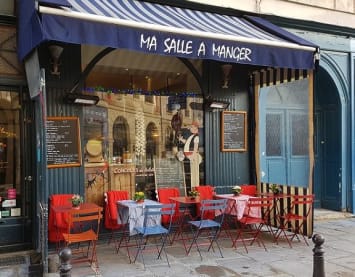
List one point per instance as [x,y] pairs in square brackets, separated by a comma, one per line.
[57,222]
[119,231]
[293,221]
[154,235]
[206,192]
[248,190]
[250,225]
[111,212]
[207,228]
[82,232]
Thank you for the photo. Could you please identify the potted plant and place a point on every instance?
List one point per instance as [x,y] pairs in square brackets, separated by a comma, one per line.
[236,190]
[76,200]
[139,196]
[275,189]
[193,193]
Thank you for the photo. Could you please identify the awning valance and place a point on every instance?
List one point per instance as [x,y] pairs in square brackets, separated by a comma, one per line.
[162,29]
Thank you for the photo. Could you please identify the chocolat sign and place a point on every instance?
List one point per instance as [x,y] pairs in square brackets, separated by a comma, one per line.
[195,48]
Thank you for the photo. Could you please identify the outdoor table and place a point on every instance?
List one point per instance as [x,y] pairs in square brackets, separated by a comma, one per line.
[132,213]
[237,205]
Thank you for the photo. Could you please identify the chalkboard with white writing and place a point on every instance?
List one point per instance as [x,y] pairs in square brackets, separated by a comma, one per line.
[63,142]
[169,172]
[233,131]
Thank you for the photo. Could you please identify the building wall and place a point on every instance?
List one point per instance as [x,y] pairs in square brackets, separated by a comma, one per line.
[335,12]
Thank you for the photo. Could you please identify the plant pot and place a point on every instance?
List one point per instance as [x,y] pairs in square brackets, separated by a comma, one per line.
[236,193]
[139,201]
[76,207]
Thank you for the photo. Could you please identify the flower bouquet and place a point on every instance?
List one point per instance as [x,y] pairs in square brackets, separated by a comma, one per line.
[193,193]
[76,200]
[236,190]
[139,196]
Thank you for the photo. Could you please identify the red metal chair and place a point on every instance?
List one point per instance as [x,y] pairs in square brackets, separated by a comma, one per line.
[292,221]
[178,218]
[206,192]
[164,195]
[57,222]
[248,190]
[111,213]
[111,220]
[251,226]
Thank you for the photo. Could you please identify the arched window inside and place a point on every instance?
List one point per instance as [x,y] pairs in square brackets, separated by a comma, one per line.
[120,136]
[152,136]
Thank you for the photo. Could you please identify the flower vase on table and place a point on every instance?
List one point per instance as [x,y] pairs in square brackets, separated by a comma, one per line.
[236,190]
[193,194]
[139,197]
[76,200]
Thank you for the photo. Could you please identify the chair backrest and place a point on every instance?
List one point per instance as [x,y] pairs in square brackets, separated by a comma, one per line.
[264,203]
[206,193]
[153,212]
[111,214]
[164,195]
[248,190]
[83,219]
[302,202]
[213,205]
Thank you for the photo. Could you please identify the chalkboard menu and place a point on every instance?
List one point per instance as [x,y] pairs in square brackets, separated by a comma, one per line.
[63,142]
[233,131]
[169,172]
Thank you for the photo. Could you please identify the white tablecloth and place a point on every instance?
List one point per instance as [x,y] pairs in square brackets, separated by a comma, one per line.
[237,205]
[131,212]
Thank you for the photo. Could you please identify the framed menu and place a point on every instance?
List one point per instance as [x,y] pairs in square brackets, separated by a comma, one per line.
[233,131]
[63,142]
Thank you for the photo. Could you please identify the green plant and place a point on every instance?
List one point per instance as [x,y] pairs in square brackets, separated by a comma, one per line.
[76,200]
[275,188]
[194,193]
[138,196]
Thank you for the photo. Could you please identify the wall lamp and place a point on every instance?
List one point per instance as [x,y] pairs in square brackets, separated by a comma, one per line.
[81,99]
[212,104]
[56,52]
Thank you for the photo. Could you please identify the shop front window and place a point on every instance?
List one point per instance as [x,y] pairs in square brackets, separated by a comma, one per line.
[10,168]
[153,114]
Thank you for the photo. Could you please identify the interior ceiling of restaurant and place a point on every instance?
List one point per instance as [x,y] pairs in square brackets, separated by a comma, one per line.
[123,69]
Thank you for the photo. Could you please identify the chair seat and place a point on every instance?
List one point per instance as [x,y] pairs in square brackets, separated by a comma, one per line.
[208,223]
[251,220]
[80,237]
[152,230]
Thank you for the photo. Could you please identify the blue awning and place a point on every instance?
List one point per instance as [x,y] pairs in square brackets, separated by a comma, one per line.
[162,29]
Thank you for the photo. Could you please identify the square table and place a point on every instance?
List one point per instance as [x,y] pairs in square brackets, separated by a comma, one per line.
[237,205]
[131,212]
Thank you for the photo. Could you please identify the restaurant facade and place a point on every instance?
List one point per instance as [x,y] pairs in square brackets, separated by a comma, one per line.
[115,96]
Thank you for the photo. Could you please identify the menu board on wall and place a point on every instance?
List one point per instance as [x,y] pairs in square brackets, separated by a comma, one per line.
[233,131]
[63,142]
[169,172]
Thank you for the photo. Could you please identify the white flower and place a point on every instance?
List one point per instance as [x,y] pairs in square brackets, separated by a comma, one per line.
[236,189]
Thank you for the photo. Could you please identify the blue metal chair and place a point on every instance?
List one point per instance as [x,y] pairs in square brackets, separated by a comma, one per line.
[153,234]
[207,228]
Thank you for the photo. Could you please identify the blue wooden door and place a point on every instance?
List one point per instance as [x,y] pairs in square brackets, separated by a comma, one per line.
[283,122]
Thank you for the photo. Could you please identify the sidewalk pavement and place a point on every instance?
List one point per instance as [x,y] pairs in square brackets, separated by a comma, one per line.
[280,260]
[338,230]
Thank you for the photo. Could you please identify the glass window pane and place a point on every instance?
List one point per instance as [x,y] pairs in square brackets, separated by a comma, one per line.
[273,135]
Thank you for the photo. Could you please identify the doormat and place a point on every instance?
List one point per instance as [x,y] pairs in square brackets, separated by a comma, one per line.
[12,260]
